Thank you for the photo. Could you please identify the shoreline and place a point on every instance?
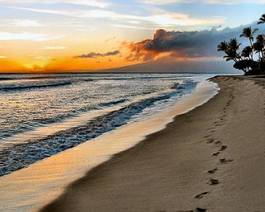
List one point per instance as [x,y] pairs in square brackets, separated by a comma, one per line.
[196,161]
[45,180]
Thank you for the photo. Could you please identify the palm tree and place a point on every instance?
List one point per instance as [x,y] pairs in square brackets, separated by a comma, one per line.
[246,52]
[245,65]
[252,58]
[259,45]
[262,19]
[231,50]
[249,34]
[231,55]
[234,44]
[223,46]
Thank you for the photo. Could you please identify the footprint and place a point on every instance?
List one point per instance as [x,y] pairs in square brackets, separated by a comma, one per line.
[201,195]
[210,140]
[224,160]
[216,154]
[213,182]
[200,210]
[207,136]
[196,210]
[217,142]
[223,147]
[212,171]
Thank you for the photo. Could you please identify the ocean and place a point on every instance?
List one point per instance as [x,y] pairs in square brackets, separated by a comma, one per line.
[43,116]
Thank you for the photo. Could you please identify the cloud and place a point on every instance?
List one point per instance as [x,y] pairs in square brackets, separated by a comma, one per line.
[178,44]
[133,27]
[95,55]
[3,57]
[159,19]
[162,2]
[165,2]
[234,1]
[54,47]
[91,3]
[20,23]
[25,23]
[24,36]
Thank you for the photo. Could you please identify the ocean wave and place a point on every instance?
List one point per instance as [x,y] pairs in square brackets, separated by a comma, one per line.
[112,103]
[22,155]
[14,87]
[5,78]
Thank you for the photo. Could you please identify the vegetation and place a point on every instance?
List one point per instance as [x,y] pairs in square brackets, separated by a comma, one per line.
[250,59]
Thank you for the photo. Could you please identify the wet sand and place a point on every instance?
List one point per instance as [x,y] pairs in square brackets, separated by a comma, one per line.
[210,159]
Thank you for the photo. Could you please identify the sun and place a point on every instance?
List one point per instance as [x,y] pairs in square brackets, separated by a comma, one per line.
[38,64]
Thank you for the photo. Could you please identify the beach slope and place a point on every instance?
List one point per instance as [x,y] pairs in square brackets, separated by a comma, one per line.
[211,158]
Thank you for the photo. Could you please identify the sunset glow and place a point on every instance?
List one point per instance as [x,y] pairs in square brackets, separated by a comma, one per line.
[49,36]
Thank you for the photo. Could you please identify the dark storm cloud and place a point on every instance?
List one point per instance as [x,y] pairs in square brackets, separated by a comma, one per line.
[181,44]
[95,54]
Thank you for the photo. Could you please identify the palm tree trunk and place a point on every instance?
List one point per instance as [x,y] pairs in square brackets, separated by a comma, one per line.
[251,44]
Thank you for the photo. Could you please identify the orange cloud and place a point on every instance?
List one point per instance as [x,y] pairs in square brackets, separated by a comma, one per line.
[161,45]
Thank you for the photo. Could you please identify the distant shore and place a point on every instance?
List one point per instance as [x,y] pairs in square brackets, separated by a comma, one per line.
[211,158]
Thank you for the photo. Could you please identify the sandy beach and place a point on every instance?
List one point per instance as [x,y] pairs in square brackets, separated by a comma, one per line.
[210,159]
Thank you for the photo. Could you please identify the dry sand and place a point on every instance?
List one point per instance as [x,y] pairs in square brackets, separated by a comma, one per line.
[211,158]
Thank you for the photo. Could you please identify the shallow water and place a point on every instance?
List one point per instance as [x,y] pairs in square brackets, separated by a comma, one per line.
[42,115]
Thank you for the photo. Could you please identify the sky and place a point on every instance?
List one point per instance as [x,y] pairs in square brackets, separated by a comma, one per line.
[90,35]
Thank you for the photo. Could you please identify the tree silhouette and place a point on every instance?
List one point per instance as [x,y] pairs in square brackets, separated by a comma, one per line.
[231,52]
[223,46]
[251,59]
[262,19]
[258,48]
[249,34]
[246,52]
[230,49]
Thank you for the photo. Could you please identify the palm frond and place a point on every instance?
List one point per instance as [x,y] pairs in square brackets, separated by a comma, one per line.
[262,19]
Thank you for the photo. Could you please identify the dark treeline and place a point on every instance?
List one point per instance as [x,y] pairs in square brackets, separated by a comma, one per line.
[251,58]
